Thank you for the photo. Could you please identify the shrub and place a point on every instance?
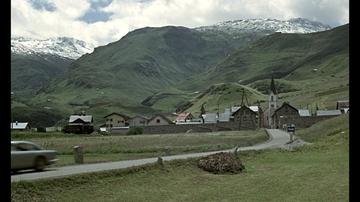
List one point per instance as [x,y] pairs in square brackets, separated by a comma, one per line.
[135,131]
[220,163]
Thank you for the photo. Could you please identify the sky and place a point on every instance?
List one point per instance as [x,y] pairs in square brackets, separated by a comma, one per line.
[100,22]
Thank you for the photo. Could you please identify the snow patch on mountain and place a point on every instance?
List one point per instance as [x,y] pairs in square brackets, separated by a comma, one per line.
[62,46]
[294,25]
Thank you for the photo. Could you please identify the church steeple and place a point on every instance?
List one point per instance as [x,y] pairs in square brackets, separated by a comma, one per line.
[272,86]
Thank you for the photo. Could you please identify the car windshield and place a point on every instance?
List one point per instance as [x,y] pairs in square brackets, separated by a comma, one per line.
[25,147]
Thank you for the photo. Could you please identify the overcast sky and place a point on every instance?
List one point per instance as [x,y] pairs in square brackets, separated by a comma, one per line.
[103,21]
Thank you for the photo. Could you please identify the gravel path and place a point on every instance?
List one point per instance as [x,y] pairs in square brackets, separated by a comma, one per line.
[278,139]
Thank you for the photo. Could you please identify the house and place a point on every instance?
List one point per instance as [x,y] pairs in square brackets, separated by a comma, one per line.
[20,126]
[159,120]
[79,124]
[138,121]
[328,112]
[245,117]
[304,112]
[210,118]
[184,117]
[225,117]
[343,106]
[259,114]
[284,114]
[116,120]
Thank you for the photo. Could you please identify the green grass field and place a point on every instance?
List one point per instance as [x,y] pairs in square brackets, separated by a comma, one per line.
[317,172]
[116,148]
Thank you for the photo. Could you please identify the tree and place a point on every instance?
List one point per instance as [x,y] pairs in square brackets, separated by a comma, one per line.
[202,110]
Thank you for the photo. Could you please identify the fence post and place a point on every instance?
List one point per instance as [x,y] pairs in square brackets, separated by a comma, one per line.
[78,154]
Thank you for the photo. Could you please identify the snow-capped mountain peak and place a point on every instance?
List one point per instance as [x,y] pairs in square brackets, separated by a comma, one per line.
[62,46]
[294,25]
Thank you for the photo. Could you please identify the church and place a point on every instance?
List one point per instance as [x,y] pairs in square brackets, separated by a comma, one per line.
[276,115]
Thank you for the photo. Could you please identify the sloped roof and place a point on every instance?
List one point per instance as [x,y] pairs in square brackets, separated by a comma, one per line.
[283,105]
[243,108]
[304,112]
[162,116]
[85,118]
[254,108]
[18,125]
[328,112]
[183,116]
[119,114]
[235,108]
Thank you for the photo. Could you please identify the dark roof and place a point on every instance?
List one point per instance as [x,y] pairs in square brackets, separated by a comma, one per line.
[243,107]
[272,86]
[122,115]
[164,117]
[284,104]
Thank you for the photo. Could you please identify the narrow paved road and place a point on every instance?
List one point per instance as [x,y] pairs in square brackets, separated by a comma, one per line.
[277,139]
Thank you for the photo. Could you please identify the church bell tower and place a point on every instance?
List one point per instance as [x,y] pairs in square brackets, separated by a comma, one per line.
[272,100]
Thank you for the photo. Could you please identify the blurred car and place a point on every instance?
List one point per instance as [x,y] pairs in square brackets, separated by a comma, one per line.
[27,155]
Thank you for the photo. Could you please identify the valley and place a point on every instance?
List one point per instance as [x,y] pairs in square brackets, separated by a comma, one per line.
[162,70]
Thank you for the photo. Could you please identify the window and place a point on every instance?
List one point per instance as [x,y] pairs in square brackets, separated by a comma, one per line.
[272,105]
[111,120]
[157,120]
[272,98]
[26,147]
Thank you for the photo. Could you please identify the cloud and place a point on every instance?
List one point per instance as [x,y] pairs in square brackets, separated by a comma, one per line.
[103,21]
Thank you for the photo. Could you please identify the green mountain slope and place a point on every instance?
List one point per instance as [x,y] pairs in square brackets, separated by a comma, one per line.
[162,69]
[289,56]
[30,73]
[122,75]
[313,68]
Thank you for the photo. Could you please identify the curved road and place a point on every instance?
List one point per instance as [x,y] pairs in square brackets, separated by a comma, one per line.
[278,139]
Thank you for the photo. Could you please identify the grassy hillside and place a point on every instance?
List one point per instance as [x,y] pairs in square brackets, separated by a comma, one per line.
[153,70]
[290,56]
[30,73]
[145,62]
[309,69]
[224,95]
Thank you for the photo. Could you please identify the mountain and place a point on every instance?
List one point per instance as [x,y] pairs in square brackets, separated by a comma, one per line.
[266,26]
[153,70]
[122,74]
[61,46]
[35,62]
[312,68]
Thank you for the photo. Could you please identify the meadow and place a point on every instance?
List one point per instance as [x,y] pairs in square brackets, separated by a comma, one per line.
[316,172]
[124,147]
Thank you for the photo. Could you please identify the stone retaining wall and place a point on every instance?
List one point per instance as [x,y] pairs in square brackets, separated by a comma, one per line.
[183,128]
[304,122]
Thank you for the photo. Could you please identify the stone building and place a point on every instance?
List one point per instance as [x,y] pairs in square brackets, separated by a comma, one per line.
[138,121]
[284,115]
[159,120]
[116,120]
[245,117]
